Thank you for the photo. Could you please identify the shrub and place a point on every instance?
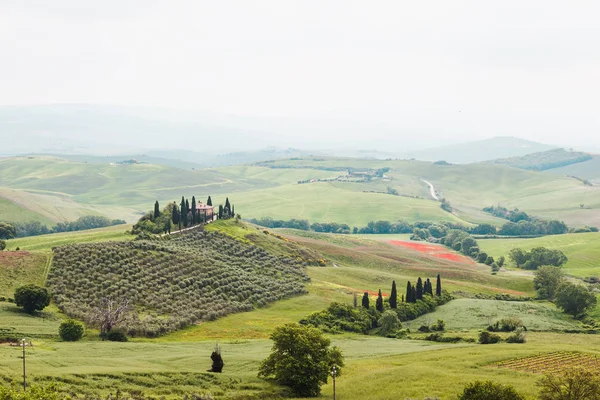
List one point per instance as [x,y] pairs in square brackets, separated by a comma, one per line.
[389,324]
[116,335]
[217,360]
[32,298]
[71,330]
[2,245]
[486,337]
[573,383]
[518,336]
[506,325]
[489,390]
[424,328]
[439,326]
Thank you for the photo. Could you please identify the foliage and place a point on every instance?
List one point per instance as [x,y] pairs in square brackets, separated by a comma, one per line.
[339,317]
[486,337]
[573,384]
[389,324]
[33,393]
[173,281]
[439,326]
[32,298]
[537,257]
[115,335]
[506,325]
[2,245]
[7,231]
[301,359]
[546,280]
[217,360]
[518,336]
[574,299]
[489,390]
[71,330]
[36,228]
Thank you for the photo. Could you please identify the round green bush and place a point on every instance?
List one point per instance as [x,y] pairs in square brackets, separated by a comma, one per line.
[32,298]
[71,330]
[116,336]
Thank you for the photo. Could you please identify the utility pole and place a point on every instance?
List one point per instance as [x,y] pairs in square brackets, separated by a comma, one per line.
[333,375]
[24,373]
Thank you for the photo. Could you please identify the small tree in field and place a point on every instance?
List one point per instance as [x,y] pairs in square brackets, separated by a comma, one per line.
[573,384]
[32,298]
[109,314]
[489,390]
[217,360]
[71,330]
[301,359]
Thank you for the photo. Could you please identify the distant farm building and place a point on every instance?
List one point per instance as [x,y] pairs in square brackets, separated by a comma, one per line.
[205,210]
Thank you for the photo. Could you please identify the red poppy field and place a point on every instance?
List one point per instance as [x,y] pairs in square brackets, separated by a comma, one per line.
[433,250]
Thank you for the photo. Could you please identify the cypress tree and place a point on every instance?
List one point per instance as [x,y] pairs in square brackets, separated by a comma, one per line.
[408,292]
[365,300]
[413,295]
[209,201]
[175,214]
[419,289]
[227,209]
[429,290]
[156,210]
[438,286]
[220,211]
[355,300]
[232,210]
[393,296]
[379,302]
[403,298]
[182,213]
[194,219]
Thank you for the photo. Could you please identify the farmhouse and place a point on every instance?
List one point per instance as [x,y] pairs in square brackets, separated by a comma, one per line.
[205,210]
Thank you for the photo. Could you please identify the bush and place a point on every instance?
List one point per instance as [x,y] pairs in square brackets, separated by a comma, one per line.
[424,328]
[518,336]
[116,335]
[389,324]
[71,330]
[439,326]
[489,390]
[574,299]
[2,245]
[32,298]
[509,324]
[571,384]
[486,337]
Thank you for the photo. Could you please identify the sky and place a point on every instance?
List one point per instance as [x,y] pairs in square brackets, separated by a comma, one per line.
[364,72]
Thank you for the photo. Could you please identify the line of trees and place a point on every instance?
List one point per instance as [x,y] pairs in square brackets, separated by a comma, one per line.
[10,230]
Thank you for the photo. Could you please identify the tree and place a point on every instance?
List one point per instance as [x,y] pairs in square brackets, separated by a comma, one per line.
[365,300]
[501,261]
[209,201]
[301,359]
[389,323]
[7,231]
[419,289]
[109,314]
[393,296]
[379,302]
[428,289]
[438,286]
[175,214]
[574,299]
[221,212]
[71,330]
[194,220]
[2,245]
[546,280]
[32,298]
[409,292]
[156,210]
[572,384]
[186,218]
[518,257]
[227,209]
[217,360]
[183,213]
[489,390]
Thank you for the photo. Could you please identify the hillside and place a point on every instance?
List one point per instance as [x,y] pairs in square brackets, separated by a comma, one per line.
[585,170]
[481,150]
[545,160]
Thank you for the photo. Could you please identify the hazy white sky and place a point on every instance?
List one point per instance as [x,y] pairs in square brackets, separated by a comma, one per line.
[429,69]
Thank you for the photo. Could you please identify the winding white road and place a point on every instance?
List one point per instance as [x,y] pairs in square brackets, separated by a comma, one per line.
[431,189]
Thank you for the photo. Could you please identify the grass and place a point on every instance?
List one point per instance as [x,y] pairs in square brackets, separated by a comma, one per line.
[44,324]
[46,242]
[580,248]
[19,268]
[469,314]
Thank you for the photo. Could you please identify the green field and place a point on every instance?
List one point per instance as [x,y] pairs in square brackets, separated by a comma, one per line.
[22,267]
[581,249]
[469,314]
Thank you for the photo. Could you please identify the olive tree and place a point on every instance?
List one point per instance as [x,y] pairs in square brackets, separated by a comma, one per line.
[301,359]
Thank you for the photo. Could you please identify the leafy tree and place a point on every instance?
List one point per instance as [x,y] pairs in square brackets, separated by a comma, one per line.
[301,359]
[486,337]
[438,286]
[32,298]
[572,384]
[489,260]
[365,300]
[209,201]
[419,289]
[489,390]
[393,296]
[389,323]
[71,330]
[2,245]
[501,260]
[546,280]
[156,210]
[379,302]
[7,231]
[574,299]
[517,256]
[467,244]
[537,257]
[217,360]
[482,257]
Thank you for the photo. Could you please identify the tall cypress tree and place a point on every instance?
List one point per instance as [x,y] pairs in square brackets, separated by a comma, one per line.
[403,298]
[438,286]
[408,292]
[209,201]
[413,295]
[182,213]
[227,210]
[175,214]
[156,210]
[419,289]
[379,302]
[365,300]
[429,290]
[194,219]
[393,296]
[232,210]
[220,211]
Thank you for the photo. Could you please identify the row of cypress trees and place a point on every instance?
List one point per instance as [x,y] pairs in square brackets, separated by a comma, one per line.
[413,293]
[185,214]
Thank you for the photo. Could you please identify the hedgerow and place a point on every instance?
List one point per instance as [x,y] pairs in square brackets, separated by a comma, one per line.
[174,281]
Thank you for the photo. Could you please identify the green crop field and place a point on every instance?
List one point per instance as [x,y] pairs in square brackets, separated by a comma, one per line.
[581,249]
[469,314]
[22,325]
[20,268]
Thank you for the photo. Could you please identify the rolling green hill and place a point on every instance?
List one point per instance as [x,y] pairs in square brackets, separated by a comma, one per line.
[545,160]
[585,170]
